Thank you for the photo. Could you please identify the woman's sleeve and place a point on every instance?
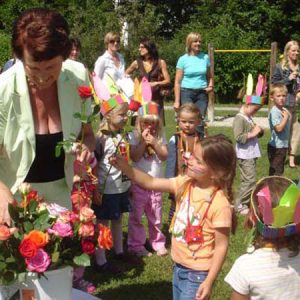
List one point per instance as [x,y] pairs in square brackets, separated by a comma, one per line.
[280,77]
[180,63]
[100,67]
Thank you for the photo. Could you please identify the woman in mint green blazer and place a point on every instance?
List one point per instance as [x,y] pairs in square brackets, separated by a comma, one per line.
[38,97]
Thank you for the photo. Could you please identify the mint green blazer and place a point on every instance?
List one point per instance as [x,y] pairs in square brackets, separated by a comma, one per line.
[17,136]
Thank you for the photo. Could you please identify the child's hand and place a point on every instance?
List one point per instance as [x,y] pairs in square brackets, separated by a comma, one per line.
[145,134]
[256,130]
[285,114]
[150,140]
[262,132]
[117,161]
[204,291]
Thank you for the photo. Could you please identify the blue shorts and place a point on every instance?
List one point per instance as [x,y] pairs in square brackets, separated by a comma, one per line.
[112,207]
[186,282]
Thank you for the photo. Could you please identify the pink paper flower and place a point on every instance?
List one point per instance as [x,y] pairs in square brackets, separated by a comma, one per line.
[61,229]
[38,263]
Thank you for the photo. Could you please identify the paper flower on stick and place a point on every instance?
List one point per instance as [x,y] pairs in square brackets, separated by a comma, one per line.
[265,205]
[284,212]
[260,90]
[142,90]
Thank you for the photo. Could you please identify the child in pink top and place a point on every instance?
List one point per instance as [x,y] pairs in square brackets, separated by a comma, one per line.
[147,150]
[201,227]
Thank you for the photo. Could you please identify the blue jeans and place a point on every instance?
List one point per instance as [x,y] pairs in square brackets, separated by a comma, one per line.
[186,282]
[200,98]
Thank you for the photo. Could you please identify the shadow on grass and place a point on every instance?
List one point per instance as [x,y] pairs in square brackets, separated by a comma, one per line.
[153,291]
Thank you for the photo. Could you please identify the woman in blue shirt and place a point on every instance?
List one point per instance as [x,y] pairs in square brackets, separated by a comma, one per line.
[193,78]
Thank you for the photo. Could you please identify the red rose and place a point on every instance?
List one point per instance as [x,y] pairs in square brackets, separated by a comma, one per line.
[134,105]
[85,91]
[88,247]
[28,248]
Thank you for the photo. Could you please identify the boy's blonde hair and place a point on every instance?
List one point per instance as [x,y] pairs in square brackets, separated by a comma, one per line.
[190,108]
[106,119]
[191,37]
[278,87]
[148,118]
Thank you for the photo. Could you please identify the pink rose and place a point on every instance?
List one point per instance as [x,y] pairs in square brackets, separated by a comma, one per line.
[38,263]
[61,229]
[86,214]
[86,230]
[68,217]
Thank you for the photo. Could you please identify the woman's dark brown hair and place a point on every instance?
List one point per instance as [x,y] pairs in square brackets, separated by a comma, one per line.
[44,33]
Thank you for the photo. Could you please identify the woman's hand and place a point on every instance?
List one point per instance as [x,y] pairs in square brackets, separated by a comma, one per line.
[209,89]
[293,75]
[154,84]
[6,197]
[176,105]
[204,291]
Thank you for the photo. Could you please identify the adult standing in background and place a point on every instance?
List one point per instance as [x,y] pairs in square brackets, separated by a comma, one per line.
[149,65]
[110,65]
[193,80]
[287,72]
[76,48]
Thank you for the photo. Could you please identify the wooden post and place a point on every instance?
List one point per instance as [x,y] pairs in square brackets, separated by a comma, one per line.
[211,95]
[272,66]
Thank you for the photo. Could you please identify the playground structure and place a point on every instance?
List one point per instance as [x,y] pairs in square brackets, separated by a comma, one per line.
[211,53]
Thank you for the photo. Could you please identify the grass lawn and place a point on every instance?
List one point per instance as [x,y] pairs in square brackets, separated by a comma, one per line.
[151,279]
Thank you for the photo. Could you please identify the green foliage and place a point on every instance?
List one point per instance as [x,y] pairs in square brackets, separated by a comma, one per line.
[230,24]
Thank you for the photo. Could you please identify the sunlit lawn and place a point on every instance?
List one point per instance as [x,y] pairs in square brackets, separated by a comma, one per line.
[152,278]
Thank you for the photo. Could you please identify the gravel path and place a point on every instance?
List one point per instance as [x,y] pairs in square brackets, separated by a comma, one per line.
[227,121]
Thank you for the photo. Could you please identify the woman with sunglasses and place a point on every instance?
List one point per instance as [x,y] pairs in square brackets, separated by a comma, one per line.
[111,65]
[149,65]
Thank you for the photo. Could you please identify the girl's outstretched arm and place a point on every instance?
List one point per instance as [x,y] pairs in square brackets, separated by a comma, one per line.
[221,246]
[143,179]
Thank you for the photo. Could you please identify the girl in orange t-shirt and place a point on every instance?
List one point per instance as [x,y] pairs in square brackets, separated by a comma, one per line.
[202,221]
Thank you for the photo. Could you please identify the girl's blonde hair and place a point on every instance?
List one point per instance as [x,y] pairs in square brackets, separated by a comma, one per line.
[285,59]
[148,118]
[191,37]
[190,108]
[106,119]
[111,36]
[220,157]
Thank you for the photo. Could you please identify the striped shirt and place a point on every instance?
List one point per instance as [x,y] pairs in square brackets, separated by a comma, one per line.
[266,274]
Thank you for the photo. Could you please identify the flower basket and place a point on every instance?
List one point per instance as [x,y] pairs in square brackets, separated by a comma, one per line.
[38,254]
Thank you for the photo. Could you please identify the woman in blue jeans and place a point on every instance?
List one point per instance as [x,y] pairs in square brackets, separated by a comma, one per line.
[193,79]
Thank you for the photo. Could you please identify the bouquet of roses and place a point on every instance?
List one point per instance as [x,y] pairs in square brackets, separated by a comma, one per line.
[46,237]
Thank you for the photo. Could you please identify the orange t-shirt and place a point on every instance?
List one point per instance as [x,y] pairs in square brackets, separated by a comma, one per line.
[218,216]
